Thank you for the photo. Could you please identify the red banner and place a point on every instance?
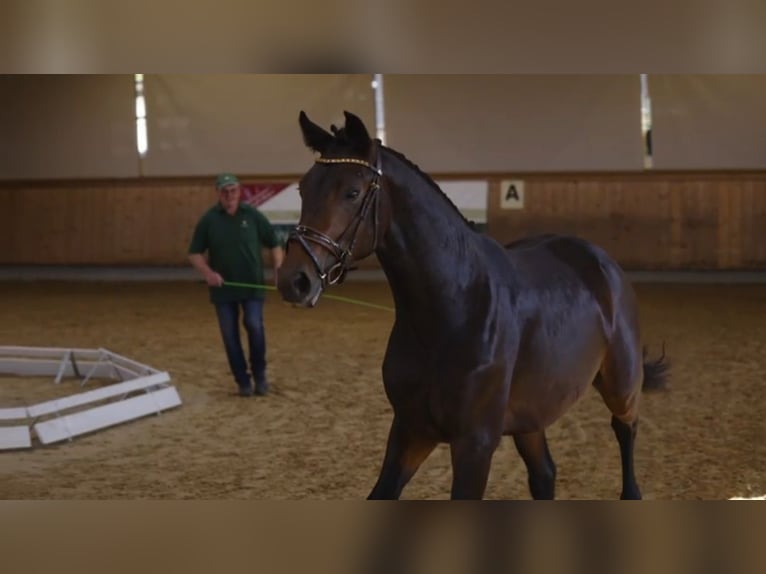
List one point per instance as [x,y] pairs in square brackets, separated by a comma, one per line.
[256,194]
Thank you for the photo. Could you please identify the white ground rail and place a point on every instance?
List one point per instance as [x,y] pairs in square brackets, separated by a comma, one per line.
[139,391]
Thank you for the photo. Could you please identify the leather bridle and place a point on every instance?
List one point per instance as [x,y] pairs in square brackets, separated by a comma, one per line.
[303,234]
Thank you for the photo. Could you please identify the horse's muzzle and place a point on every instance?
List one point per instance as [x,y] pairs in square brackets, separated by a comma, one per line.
[300,288]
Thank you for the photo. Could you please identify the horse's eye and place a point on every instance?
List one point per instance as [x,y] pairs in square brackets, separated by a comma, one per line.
[352,194]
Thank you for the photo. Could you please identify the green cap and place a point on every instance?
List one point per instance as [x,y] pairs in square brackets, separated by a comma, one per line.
[225,179]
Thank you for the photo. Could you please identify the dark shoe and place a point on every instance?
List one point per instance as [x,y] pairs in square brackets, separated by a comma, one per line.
[246,391]
[261,387]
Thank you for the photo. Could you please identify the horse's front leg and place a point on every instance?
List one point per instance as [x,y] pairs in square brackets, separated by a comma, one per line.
[480,412]
[471,462]
[406,450]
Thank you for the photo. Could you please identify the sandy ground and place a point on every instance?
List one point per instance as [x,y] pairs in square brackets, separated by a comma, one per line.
[321,433]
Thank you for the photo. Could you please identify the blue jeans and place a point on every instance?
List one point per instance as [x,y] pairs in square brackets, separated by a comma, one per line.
[228,319]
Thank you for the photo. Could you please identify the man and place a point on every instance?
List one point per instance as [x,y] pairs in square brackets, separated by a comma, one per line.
[234,234]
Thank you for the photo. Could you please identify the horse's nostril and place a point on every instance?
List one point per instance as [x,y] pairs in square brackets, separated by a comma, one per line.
[301,284]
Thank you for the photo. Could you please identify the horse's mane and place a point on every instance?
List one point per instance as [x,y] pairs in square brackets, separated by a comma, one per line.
[342,140]
[401,157]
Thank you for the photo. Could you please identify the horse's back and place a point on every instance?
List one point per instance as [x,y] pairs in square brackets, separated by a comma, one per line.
[544,259]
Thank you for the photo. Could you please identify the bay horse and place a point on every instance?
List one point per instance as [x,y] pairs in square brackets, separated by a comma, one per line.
[488,340]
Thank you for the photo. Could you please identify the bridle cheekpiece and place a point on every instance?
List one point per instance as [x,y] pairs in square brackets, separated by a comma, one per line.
[336,273]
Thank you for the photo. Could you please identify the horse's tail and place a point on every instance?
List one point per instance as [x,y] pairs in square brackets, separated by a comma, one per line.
[656,372]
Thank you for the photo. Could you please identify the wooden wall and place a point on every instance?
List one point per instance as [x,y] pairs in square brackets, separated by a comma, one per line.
[646,220]
[101,223]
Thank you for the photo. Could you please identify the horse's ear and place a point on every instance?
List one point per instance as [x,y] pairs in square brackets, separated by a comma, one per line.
[357,133]
[315,137]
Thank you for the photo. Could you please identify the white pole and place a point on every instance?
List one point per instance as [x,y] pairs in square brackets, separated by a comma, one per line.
[646,120]
[380,123]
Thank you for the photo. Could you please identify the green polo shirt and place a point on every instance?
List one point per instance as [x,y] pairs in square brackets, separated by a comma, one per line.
[234,244]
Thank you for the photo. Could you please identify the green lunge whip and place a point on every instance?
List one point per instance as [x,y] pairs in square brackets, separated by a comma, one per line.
[325,295]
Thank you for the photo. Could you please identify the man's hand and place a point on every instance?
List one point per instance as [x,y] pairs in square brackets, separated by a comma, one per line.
[213,279]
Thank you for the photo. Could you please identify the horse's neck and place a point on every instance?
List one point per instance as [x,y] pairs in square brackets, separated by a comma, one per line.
[429,251]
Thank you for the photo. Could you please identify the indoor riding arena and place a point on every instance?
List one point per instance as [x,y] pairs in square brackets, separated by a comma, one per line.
[102,187]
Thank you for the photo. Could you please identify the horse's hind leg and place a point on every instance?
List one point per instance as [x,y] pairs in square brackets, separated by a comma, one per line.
[626,437]
[619,384]
[405,452]
[541,470]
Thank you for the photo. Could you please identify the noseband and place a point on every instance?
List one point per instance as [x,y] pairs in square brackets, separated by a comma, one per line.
[336,273]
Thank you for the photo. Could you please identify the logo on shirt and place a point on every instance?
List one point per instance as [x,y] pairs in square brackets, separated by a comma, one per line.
[244,223]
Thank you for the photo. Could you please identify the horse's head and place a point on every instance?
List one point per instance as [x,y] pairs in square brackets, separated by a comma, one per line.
[340,214]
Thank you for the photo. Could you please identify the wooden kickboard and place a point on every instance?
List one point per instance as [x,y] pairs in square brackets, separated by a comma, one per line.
[49,352]
[106,392]
[129,364]
[63,428]
[15,437]
[17,413]
[44,361]
[50,368]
